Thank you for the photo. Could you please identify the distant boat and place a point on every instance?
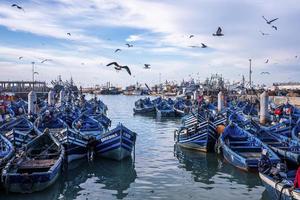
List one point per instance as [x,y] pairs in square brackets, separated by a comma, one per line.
[144,106]
[164,109]
[116,144]
[242,149]
[35,169]
[19,131]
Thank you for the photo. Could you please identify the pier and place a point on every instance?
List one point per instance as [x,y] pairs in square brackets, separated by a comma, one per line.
[22,88]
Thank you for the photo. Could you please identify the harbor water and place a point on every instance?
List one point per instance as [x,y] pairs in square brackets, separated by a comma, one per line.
[160,171]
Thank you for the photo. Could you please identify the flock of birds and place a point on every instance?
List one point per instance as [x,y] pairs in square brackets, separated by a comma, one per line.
[218,33]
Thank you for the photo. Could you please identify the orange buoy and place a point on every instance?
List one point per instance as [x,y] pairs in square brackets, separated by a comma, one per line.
[220,129]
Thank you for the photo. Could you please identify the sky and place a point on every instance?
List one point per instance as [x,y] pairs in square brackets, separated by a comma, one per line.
[159,31]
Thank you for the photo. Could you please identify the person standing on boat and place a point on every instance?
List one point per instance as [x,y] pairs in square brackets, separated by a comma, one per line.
[297,180]
[264,164]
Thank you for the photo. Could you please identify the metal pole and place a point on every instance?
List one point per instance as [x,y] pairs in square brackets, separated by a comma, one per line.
[32,75]
[250,74]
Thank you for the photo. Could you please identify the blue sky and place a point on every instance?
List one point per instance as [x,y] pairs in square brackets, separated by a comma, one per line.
[159,31]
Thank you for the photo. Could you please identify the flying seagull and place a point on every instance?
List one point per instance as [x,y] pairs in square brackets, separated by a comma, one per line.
[203,45]
[129,45]
[218,33]
[191,36]
[45,60]
[296,57]
[117,50]
[147,66]
[69,34]
[264,33]
[119,67]
[20,57]
[269,22]
[17,6]
[268,73]
[275,27]
[267,61]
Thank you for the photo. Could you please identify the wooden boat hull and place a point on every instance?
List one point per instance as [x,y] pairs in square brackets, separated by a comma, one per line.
[116,144]
[165,113]
[274,189]
[31,182]
[35,174]
[243,150]
[202,140]
[146,110]
[75,144]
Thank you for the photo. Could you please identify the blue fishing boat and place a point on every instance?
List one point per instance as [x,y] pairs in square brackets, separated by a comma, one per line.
[182,107]
[117,143]
[144,106]
[49,120]
[197,133]
[19,107]
[164,109]
[68,114]
[296,132]
[88,127]
[280,189]
[6,151]
[102,119]
[242,149]
[35,168]
[19,131]
[74,143]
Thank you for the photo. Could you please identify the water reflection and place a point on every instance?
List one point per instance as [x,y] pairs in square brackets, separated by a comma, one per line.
[202,166]
[107,174]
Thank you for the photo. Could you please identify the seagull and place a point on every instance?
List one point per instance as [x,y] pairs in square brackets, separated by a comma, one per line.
[117,50]
[269,22]
[82,63]
[203,45]
[20,57]
[45,60]
[36,73]
[218,33]
[264,33]
[119,67]
[147,66]
[129,45]
[275,27]
[69,34]
[191,36]
[296,57]
[267,61]
[265,73]
[17,6]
